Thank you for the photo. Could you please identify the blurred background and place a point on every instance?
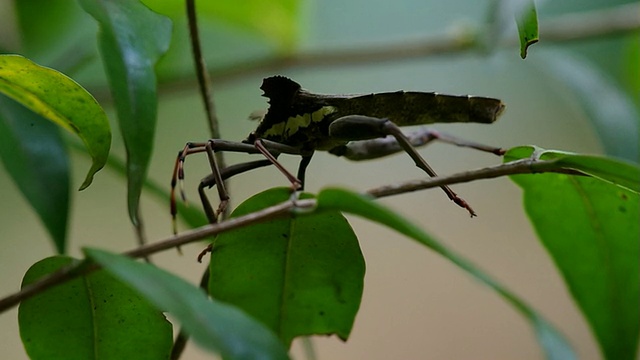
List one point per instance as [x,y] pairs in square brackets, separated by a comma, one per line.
[415,304]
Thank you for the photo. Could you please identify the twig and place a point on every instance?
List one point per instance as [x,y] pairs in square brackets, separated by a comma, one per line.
[524,166]
[201,71]
[564,28]
[73,271]
[618,20]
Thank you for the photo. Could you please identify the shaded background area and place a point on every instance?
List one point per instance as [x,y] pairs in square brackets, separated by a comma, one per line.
[415,305]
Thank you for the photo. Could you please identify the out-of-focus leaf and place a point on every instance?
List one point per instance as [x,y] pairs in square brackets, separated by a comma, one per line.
[300,275]
[631,61]
[553,343]
[33,153]
[275,20]
[590,228]
[212,324]
[500,24]
[61,100]
[51,31]
[132,38]
[608,108]
[527,21]
[91,317]
[192,215]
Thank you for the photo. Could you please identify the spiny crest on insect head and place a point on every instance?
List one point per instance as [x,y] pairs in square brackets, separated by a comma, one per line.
[280,90]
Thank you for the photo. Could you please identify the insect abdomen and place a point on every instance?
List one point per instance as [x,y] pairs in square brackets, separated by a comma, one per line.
[417,108]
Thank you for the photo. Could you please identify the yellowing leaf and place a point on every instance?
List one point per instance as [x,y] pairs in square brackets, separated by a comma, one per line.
[58,98]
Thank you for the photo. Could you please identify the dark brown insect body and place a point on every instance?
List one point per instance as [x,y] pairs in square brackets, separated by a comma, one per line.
[302,119]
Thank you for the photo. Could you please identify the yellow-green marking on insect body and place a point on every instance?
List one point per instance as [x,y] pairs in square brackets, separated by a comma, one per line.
[292,124]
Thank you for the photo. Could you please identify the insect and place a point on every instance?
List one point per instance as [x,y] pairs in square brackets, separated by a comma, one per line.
[358,127]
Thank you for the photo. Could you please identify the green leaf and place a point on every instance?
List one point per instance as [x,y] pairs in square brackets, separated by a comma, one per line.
[276,20]
[609,109]
[91,317]
[61,100]
[33,153]
[554,345]
[590,229]
[301,275]
[193,216]
[527,20]
[132,38]
[54,32]
[212,324]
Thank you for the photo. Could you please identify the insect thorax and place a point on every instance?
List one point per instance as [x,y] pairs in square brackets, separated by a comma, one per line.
[304,129]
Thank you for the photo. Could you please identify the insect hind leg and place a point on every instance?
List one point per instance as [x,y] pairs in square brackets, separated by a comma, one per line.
[358,127]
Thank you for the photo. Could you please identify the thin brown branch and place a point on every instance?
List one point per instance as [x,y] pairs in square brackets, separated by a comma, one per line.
[201,70]
[622,19]
[73,271]
[618,20]
[524,166]
[204,82]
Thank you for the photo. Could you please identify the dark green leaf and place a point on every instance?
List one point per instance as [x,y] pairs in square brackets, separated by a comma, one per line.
[554,345]
[132,38]
[33,153]
[91,317]
[276,20]
[61,100]
[590,228]
[301,275]
[54,32]
[609,109]
[193,216]
[212,324]
[527,20]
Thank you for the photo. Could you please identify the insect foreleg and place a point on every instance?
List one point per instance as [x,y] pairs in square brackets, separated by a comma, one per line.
[225,174]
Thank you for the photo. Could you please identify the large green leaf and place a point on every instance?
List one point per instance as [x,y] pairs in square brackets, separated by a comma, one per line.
[609,109]
[91,317]
[61,100]
[54,32]
[213,325]
[301,275]
[132,38]
[276,20]
[590,228]
[554,345]
[33,153]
